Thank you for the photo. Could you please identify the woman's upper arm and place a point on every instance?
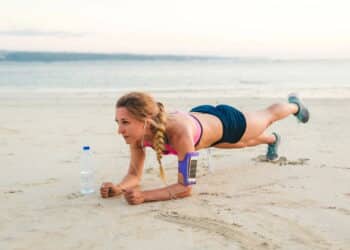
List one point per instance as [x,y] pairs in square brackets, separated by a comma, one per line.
[185,150]
[137,160]
[183,144]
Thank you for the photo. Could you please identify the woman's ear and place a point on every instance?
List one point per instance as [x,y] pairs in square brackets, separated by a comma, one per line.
[147,123]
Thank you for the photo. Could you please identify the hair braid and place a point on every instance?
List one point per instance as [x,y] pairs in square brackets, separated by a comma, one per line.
[159,124]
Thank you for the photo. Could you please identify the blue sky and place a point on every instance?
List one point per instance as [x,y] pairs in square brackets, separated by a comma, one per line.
[272,28]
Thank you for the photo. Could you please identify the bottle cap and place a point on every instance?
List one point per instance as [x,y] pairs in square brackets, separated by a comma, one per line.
[86,148]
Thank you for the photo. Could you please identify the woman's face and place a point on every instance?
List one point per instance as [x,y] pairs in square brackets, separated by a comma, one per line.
[130,128]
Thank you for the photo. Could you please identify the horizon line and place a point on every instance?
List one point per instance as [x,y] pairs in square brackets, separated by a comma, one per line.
[148,56]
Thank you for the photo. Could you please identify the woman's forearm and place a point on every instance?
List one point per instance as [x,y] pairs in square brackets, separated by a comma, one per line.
[129,181]
[174,191]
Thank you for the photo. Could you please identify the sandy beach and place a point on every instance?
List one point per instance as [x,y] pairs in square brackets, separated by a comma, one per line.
[302,201]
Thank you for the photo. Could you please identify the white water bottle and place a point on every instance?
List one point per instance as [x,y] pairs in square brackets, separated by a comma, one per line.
[86,172]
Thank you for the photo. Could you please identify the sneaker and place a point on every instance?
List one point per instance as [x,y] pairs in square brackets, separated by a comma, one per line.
[273,148]
[303,114]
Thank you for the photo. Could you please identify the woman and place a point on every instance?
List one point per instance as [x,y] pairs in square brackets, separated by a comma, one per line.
[143,122]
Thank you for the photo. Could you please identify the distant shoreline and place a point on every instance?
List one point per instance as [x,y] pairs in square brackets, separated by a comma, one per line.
[28,56]
[46,56]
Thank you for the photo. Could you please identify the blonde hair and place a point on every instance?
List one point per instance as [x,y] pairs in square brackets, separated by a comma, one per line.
[143,107]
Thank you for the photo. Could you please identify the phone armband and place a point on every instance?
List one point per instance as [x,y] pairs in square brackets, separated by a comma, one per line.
[187,169]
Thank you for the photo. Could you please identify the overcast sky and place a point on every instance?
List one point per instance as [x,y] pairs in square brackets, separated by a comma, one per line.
[271,28]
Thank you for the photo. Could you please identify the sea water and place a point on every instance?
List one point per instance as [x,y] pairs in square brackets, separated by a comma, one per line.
[263,78]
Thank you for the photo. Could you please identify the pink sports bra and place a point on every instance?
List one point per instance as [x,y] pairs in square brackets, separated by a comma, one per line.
[196,137]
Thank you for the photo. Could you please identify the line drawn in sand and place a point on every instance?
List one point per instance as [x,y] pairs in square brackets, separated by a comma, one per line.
[235,232]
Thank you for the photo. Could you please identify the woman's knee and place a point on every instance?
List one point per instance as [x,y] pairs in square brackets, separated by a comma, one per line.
[274,110]
[278,111]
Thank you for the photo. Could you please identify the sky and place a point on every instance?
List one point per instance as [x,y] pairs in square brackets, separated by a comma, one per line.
[243,28]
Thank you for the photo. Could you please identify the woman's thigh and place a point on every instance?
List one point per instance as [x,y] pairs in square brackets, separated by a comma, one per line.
[256,123]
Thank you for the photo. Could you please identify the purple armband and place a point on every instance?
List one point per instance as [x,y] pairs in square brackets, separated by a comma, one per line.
[187,169]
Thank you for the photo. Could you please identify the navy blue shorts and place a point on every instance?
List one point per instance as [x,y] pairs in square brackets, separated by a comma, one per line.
[233,121]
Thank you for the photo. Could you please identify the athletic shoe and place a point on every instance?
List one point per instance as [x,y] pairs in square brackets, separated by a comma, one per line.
[303,114]
[273,148]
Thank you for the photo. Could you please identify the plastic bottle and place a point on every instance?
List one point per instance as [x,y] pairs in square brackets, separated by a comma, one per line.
[86,172]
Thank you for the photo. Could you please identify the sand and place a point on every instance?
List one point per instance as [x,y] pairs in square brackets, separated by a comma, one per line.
[302,201]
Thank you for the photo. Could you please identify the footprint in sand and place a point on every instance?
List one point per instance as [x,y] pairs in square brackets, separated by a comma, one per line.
[210,194]
[74,196]
[40,183]
[340,210]
[215,194]
[13,191]
[282,161]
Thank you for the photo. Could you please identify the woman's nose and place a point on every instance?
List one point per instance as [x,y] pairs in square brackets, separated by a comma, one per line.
[120,130]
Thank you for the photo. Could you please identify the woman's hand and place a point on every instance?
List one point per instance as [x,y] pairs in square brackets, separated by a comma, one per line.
[108,189]
[134,196]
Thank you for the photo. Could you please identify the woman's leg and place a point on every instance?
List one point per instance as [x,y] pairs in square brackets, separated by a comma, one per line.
[257,122]
[262,139]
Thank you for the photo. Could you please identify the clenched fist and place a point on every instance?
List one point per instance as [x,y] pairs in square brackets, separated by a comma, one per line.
[108,189]
[134,196]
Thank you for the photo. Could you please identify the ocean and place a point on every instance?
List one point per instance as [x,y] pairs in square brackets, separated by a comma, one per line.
[220,76]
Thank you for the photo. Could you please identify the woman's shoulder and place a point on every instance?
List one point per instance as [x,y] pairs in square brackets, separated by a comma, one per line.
[178,128]
[178,122]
